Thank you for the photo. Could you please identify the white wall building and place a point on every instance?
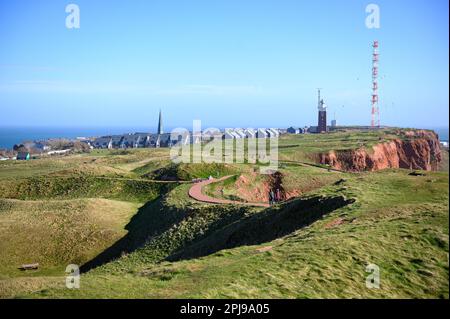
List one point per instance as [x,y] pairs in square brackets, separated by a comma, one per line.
[262,133]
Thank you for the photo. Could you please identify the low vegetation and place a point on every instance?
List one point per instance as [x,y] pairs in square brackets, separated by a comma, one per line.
[137,234]
[56,233]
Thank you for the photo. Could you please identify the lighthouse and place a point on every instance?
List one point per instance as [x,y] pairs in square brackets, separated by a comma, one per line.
[322,119]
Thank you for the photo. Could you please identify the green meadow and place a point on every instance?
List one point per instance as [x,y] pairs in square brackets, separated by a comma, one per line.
[126,218]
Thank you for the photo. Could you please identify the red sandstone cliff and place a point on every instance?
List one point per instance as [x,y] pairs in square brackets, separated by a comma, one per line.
[413,149]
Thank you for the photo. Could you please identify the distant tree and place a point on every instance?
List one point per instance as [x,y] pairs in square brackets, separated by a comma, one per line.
[20,148]
[59,144]
[65,144]
[34,150]
[79,146]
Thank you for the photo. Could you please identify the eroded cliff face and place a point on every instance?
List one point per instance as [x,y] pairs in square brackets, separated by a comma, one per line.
[413,149]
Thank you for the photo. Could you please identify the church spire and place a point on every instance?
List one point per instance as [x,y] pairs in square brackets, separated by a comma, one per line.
[160,125]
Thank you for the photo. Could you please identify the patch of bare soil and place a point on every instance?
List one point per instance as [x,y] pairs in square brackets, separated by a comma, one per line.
[250,188]
[334,223]
[264,249]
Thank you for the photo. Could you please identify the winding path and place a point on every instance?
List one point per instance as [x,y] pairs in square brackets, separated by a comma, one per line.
[196,193]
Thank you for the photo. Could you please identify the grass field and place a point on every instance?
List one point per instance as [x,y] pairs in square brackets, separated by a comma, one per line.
[250,186]
[55,233]
[138,236]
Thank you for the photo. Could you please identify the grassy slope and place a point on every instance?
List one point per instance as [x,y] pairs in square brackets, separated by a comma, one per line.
[444,165]
[303,147]
[399,222]
[296,178]
[101,174]
[62,210]
[56,233]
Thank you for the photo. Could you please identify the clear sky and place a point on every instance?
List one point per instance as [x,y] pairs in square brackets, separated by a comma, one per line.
[229,63]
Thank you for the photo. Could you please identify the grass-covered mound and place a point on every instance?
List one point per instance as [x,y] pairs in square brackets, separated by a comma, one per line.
[35,188]
[292,179]
[56,233]
[398,221]
[188,172]
[167,245]
[62,210]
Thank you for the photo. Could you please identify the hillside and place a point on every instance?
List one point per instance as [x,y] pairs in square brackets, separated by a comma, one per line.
[128,219]
[352,150]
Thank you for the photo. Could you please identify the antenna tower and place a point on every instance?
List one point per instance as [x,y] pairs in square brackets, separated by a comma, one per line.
[375,110]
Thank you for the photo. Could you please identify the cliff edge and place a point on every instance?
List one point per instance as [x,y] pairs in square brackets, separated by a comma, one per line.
[413,149]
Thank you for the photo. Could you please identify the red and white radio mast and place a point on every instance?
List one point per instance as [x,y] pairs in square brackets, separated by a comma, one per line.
[375,111]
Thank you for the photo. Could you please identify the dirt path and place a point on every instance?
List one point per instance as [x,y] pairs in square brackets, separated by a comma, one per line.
[196,193]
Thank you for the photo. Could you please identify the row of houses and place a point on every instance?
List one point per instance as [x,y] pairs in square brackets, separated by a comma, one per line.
[35,146]
[21,156]
[25,156]
[304,130]
[240,133]
[311,129]
[148,140]
[136,140]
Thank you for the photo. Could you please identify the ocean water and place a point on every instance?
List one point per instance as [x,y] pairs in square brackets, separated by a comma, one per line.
[442,132]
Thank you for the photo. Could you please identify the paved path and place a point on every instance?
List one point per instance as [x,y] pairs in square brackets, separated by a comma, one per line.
[196,193]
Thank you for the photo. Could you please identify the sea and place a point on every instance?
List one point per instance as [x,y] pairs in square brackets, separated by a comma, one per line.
[442,132]
[16,135]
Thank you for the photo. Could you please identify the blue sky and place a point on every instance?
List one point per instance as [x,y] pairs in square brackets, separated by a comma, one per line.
[251,63]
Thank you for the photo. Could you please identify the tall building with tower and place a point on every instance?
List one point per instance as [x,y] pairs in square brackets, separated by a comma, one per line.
[322,122]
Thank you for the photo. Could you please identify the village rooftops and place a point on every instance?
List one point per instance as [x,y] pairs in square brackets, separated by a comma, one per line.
[134,140]
[23,156]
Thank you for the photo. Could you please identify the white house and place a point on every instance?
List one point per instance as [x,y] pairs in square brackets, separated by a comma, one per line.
[272,133]
[250,133]
[58,152]
[262,133]
[293,130]
[240,132]
[230,134]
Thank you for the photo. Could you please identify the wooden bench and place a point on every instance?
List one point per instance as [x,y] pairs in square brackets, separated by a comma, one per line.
[29,267]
